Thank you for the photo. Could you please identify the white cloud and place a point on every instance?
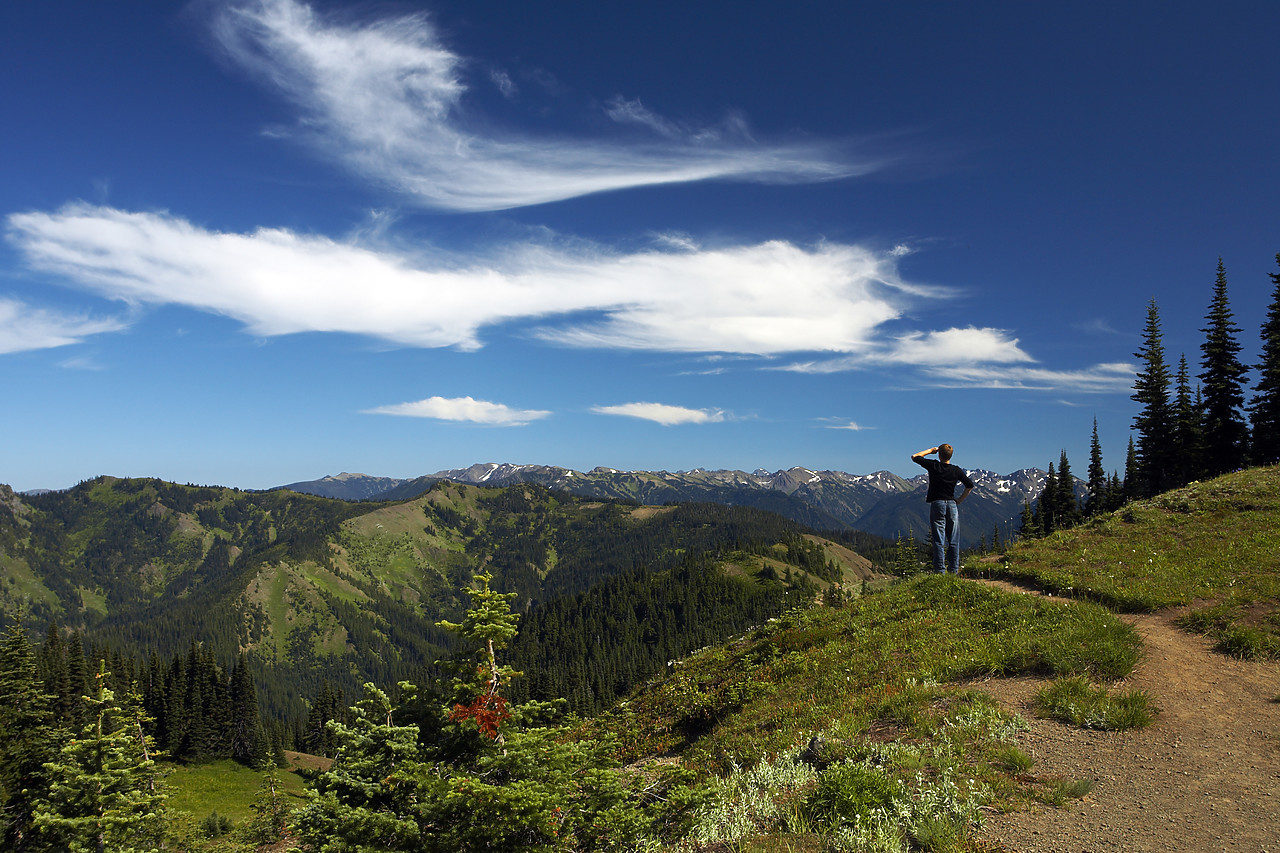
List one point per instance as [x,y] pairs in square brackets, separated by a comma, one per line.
[464,409]
[663,414]
[765,299]
[957,346]
[25,328]
[385,98]
[1097,379]
[976,358]
[947,348]
[851,425]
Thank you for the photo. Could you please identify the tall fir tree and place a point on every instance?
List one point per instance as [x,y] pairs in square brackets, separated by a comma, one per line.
[1129,487]
[1154,422]
[1098,487]
[1047,507]
[248,738]
[1188,432]
[1226,435]
[1068,509]
[1264,409]
[27,740]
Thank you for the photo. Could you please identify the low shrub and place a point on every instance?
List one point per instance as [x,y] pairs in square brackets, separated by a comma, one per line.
[849,793]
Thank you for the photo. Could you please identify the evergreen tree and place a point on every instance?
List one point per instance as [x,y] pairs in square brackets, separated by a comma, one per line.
[1067,511]
[270,811]
[248,739]
[906,556]
[1130,487]
[103,793]
[27,738]
[1098,487]
[1027,528]
[52,664]
[1115,492]
[367,802]
[498,781]
[1154,422]
[1226,435]
[1187,432]
[1047,506]
[173,726]
[1264,409]
[77,679]
[317,738]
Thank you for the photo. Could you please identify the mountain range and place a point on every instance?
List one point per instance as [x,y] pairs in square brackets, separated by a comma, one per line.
[881,503]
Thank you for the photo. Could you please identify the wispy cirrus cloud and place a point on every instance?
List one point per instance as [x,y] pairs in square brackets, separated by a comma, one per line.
[763,299]
[23,327]
[946,347]
[662,413]
[385,97]
[1107,378]
[975,358]
[462,409]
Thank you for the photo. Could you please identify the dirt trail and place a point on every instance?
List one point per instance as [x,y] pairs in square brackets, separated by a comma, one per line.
[1204,777]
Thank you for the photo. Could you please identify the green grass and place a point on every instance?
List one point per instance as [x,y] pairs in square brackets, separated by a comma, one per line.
[909,748]
[738,703]
[21,585]
[225,787]
[93,599]
[1074,700]
[1210,546]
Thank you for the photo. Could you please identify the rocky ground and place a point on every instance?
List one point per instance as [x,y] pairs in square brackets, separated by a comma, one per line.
[1204,777]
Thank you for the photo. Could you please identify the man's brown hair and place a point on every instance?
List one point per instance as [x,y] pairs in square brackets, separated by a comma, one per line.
[944,452]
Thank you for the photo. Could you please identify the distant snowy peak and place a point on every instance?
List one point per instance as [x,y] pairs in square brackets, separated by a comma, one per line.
[1026,483]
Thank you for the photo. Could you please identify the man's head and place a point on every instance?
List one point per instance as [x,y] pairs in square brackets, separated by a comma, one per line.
[944,452]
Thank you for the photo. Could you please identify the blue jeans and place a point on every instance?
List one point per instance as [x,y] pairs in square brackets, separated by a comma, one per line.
[944,528]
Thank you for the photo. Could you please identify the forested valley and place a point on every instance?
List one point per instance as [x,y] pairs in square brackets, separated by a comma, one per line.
[239,623]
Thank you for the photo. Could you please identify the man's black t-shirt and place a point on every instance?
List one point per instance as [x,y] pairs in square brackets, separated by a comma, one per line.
[943,477]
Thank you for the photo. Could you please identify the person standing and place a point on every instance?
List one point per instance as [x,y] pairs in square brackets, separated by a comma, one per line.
[944,506]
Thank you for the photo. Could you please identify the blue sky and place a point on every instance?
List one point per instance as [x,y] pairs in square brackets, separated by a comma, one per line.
[253,243]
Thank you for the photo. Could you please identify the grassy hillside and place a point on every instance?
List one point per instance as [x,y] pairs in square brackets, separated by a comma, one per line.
[1209,547]
[865,724]
[867,727]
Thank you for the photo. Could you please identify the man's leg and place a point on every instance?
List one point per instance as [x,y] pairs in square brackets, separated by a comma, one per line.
[953,537]
[938,534]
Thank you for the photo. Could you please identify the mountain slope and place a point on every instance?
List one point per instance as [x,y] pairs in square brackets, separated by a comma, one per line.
[347,487]
[914,728]
[317,589]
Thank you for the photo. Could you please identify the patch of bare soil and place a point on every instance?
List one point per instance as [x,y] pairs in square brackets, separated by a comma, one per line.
[1204,777]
